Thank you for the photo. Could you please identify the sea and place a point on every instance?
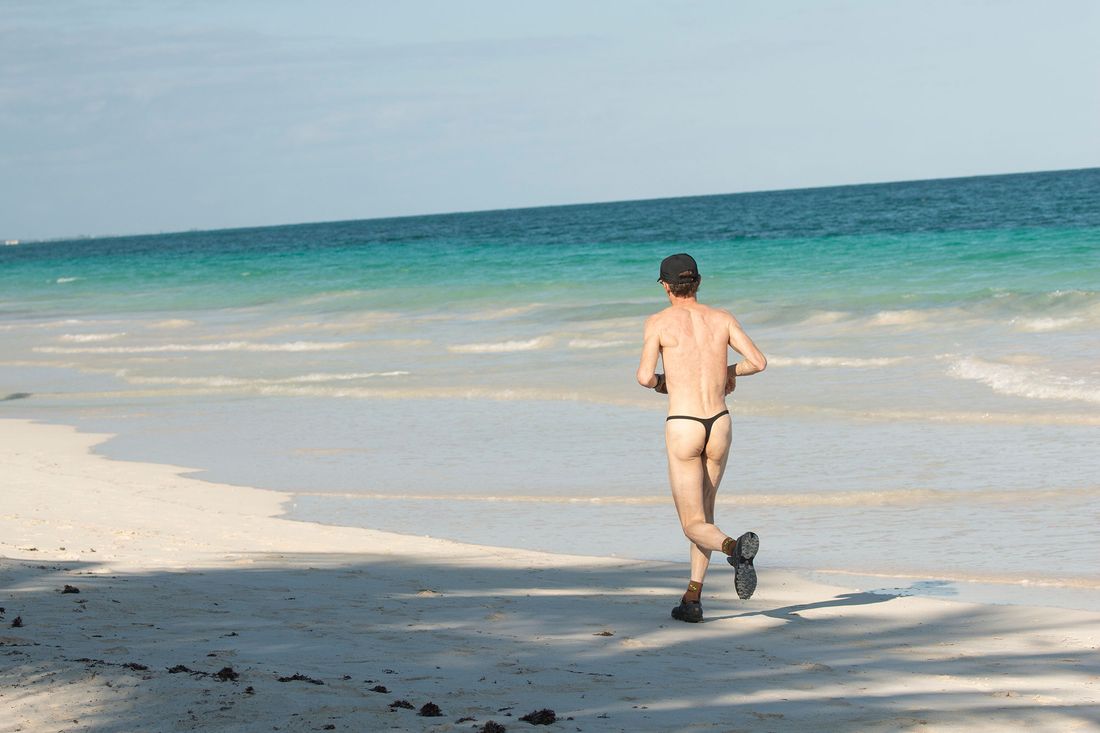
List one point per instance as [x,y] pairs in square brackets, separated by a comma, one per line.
[928,422]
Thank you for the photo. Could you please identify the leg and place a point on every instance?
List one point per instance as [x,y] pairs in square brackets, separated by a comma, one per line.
[688,477]
[714,466]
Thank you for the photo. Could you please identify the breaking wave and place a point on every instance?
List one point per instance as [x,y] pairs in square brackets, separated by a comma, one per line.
[1041,325]
[836,361]
[1019,381]
[899,318]
[88,337]
[171,323]
[596,344]
[222,381]
[223,346]
[502,347]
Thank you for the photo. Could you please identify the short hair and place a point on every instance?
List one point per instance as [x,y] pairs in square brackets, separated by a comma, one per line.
[685,289]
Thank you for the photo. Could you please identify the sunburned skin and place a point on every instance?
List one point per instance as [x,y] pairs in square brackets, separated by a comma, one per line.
[693,341]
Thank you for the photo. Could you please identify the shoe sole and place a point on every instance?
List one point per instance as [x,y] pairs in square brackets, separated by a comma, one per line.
[744,574]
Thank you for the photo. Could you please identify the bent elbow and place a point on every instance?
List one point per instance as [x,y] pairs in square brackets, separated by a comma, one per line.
[761,364]
[644,379]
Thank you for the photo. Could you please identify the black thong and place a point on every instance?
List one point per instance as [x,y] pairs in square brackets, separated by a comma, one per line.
[708,422]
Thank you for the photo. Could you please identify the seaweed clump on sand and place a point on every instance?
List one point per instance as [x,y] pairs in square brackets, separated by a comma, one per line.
[226,674]
[430,710]
[296,677]
[545,716]
[492,727]
[405,704]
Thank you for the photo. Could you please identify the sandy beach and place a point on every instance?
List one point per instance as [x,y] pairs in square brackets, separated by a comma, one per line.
[149,601]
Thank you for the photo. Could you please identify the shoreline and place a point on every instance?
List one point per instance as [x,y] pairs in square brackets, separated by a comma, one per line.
[1072,592]
[175,571]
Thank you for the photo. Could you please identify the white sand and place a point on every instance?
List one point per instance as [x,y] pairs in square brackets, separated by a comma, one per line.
[174,571]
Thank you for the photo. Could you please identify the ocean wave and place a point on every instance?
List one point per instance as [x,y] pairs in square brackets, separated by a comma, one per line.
[836,361]
[1041,325]
[63,280]
[498,313]
[1019,381]
[88,337]
[331,295]
[223,346]
[823,318]
[222,381]
[501,347]
[171,323]
[596,344]
[899,317]
[64,323]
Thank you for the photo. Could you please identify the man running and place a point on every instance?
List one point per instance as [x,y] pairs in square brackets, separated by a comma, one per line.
[692,341]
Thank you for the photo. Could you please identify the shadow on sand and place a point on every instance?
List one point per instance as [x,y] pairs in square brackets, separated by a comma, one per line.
[593,643]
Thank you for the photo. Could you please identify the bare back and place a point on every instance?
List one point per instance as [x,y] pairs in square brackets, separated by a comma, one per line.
[694,341]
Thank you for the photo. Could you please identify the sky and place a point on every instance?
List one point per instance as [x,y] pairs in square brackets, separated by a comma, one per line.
[135,117]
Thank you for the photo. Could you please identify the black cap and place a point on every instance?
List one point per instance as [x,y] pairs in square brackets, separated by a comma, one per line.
[679,269]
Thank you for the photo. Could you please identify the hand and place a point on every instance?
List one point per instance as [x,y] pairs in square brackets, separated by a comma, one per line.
[731,381]
[661,387]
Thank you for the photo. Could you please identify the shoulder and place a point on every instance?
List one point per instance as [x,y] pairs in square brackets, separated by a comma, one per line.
[655,320]
[722,315]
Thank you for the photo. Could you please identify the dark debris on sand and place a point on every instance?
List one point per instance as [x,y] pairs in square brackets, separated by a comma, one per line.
[300,678]
[70,589]
[404,704]
[226,674]
[379,688]
[492,727]
[17,622]
[430,710]
[545,716]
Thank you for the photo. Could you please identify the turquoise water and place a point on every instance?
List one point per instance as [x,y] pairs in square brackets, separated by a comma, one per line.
[932,369]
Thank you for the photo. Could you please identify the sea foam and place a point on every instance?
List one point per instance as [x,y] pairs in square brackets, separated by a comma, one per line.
[223,346]
[1019,381]
[836,361]
[596,344]
[1041,325]
[500,347]
[222,381]
[89,337]
[899,318]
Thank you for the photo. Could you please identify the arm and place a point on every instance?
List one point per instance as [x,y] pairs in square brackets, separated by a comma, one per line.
[753,362]
[651,349]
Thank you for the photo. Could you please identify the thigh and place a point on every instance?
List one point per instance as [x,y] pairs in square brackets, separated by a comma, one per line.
[686,476]
[714,465]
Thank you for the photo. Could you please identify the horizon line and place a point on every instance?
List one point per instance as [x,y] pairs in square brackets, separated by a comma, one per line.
[196,230]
